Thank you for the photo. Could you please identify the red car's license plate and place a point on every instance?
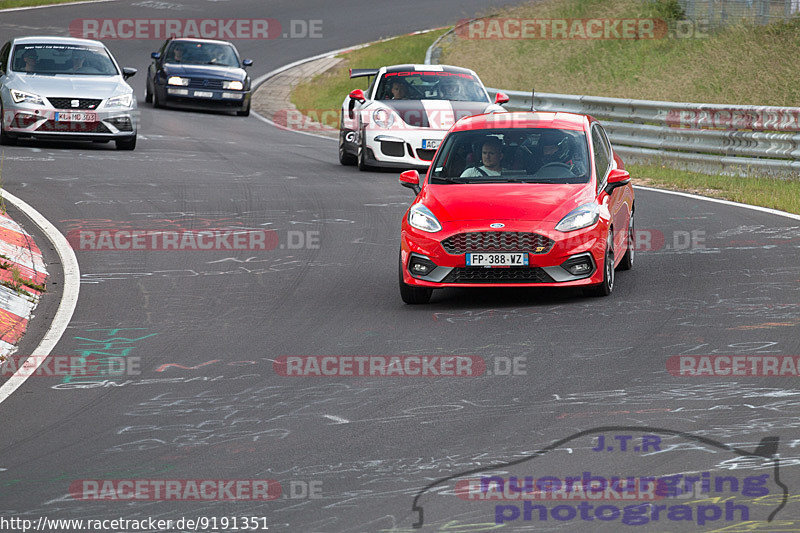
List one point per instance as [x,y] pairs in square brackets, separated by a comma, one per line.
[503,259]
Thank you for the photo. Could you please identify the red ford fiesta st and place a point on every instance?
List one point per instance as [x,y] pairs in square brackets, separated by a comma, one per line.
[534,199]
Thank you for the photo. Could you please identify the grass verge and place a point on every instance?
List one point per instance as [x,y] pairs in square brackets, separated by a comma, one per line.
[765,192]
[326,91]
[740,64]
[5,4]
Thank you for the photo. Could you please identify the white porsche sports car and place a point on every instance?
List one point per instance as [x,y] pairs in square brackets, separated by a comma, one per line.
[399,121]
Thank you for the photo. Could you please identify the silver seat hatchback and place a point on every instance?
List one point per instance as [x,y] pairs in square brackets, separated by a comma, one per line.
[65,88]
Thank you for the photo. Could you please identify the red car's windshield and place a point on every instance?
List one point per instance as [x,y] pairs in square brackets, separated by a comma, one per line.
[537,155]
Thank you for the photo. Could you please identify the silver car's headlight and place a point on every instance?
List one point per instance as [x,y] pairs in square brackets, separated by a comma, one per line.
[124,100]
[383,118]
[581,217]
[30,98]
[233,85]
[421,217]
[177,80]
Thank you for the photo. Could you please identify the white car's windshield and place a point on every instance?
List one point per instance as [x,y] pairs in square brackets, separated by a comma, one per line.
[199,53]
[54,58]
[535,155]
[434,85]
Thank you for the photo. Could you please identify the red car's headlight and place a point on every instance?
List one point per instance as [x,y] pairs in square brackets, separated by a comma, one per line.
[422,218]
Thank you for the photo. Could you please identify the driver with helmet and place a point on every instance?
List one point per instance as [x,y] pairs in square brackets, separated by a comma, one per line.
[450,89]
[556,148]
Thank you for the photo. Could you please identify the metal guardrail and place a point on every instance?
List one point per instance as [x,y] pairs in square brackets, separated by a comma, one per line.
[722,138]
[723,12]
[729,139]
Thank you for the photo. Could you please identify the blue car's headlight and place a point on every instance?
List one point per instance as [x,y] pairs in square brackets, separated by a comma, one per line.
[233,85]
[422,218]
[177,80]
[123,100]
[581,217]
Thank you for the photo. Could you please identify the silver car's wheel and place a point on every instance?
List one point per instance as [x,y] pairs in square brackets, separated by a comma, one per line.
[5,139]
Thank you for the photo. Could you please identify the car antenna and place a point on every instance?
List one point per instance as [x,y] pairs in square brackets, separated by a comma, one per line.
[533,95]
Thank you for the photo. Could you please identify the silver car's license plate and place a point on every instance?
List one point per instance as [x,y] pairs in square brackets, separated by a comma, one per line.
[502,259]
[430,144]
[76,117]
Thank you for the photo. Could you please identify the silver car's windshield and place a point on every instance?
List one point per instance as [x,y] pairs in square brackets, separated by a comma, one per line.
[54,58]
[198,53]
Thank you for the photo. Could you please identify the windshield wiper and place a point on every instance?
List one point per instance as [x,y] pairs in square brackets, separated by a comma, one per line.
[452,179]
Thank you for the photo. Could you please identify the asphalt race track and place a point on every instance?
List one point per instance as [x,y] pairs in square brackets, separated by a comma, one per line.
[352,454]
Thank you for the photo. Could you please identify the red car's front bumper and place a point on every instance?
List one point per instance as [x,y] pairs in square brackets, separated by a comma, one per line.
[546,267]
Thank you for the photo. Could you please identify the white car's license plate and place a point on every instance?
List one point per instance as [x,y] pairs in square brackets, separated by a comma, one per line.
[503,259]
[76,117]
[203,94]
[430,144]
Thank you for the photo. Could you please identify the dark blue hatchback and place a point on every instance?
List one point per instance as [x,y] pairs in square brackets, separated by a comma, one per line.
[199,74]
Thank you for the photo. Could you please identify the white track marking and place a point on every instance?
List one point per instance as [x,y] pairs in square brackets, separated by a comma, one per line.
[723,202]
[69,299]
[54,5]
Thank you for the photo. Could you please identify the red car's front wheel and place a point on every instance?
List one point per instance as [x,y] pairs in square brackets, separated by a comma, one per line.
[410,294]
[605,287]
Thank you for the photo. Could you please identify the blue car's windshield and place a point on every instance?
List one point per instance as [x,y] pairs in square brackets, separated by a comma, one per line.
[54,58]
[199,53]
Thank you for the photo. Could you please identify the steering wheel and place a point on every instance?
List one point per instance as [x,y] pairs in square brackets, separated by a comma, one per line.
[555,165]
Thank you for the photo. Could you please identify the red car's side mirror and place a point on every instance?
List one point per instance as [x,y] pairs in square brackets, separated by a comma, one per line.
[617,178]
[501,98]
[410,179]
[357,94]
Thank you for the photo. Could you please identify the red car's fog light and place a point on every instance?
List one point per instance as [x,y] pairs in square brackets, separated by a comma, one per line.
[579,266]
[420,266]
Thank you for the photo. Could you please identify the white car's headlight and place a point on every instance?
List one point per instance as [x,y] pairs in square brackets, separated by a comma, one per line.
[383,118]
[233,85]
[21,96]
[581,217]
[123,100]
[421,217]
[177,80]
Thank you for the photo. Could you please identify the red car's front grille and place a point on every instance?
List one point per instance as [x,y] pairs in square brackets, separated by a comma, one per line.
[497,241]
[497,275]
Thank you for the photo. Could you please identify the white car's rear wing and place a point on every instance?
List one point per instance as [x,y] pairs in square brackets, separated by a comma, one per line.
[361,72]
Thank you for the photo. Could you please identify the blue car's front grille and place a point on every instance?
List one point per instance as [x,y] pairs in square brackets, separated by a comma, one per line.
[201,83]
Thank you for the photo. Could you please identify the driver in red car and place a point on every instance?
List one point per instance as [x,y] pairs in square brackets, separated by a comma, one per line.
[491,156]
